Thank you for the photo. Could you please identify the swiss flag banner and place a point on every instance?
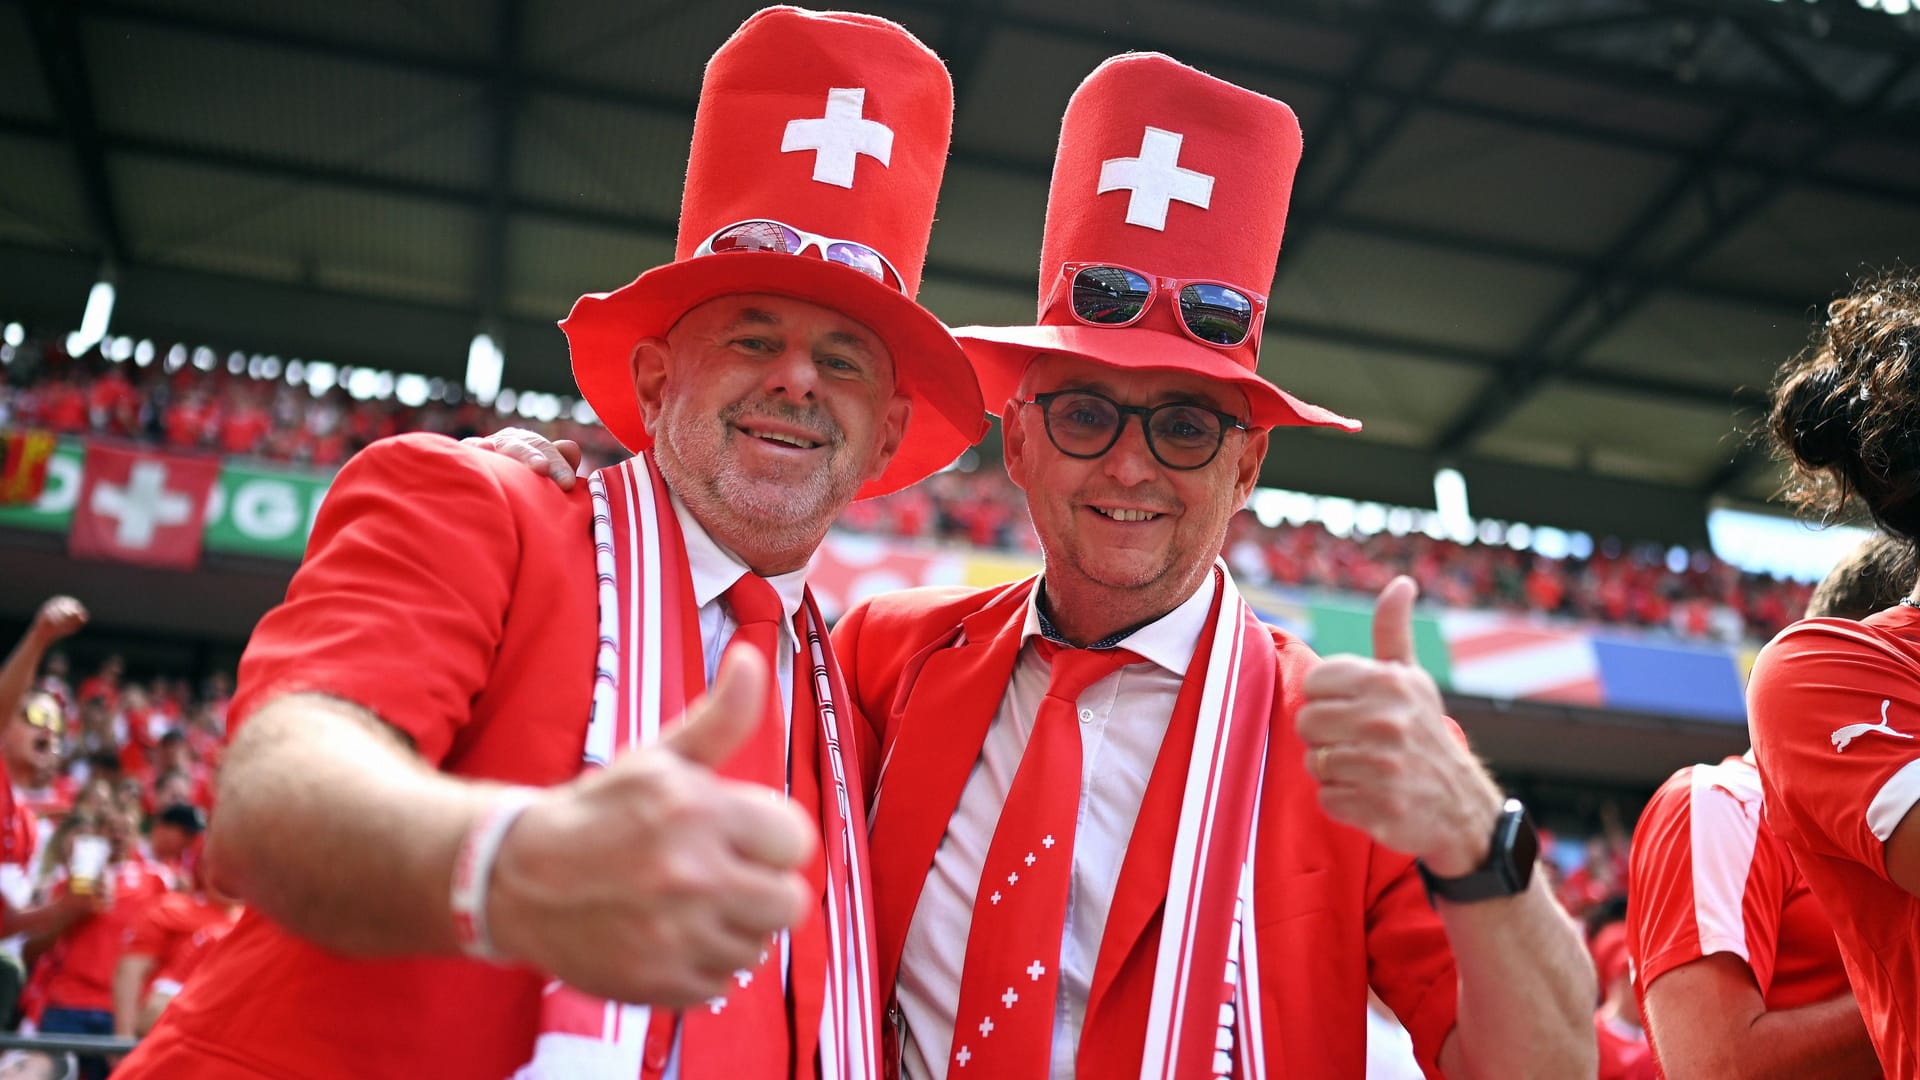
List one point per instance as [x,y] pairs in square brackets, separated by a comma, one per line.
[142,507]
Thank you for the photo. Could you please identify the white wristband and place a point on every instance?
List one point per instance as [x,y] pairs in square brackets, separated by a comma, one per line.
[473,868]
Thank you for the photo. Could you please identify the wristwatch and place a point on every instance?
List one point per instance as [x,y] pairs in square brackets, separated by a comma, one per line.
[1508,869]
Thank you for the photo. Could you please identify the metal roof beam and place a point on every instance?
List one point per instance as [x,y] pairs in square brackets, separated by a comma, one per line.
[1367,148]
[295,171]
[1606,300]
[503,101]
[1332,81]
[63,64]
[1529,365]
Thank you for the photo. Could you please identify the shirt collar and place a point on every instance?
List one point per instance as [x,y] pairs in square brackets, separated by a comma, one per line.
[1168,641]
[715,569]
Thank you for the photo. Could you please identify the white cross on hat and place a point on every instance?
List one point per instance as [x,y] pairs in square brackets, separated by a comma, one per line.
[840,137]
[1155,180]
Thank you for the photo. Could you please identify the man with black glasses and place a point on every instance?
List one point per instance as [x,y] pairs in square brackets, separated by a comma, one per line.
[1119,826]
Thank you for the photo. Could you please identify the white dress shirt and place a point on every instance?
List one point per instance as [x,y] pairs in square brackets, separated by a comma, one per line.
[714,570]
[1123,719]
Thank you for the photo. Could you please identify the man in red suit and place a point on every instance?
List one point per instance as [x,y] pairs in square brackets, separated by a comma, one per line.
[1118,826]
[478,810]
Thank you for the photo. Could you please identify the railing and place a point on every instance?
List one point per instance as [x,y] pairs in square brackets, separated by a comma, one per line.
[104,1045]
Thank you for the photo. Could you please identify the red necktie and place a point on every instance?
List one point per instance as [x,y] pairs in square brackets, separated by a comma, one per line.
[1009,981]
[746,1035]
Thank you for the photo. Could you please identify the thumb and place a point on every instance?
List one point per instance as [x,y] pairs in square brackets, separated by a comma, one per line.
[1393,621]
[720,721]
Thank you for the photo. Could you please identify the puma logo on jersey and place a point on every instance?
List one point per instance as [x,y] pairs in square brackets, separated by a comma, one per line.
[1853,731]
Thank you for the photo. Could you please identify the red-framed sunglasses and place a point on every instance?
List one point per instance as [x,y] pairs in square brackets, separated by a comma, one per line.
[1211,312]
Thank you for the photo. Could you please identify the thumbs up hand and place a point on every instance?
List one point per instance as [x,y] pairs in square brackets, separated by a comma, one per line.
[1388,760]
[653,880]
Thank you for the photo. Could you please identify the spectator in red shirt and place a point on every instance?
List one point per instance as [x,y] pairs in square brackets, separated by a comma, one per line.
[174,831]
[1624,1053]
[63,408]
[80,964]
[104,685]
[113,405]
[1835,704]
[189,420]
[164,946]
[244,424]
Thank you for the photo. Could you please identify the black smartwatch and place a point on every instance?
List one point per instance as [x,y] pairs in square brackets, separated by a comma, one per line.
[1508,869]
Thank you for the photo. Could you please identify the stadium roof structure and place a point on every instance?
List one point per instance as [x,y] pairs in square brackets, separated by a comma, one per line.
[1560,245]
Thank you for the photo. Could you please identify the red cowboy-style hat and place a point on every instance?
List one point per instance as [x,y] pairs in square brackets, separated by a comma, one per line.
[1176,175]
[835,125]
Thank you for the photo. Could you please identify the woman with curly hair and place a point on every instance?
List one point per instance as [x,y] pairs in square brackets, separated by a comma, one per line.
[1835,704]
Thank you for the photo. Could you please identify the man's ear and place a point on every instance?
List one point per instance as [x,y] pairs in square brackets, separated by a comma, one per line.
[1013,442]
[650,356]
[1247,466]
[893,428]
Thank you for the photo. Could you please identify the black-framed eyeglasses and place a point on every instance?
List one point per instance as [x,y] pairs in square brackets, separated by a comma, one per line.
[1182,435]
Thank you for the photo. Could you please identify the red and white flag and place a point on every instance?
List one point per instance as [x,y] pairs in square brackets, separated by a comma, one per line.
[142,507]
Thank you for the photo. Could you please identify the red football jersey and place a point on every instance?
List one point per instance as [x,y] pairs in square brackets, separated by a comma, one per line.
[1835,711]
[1708,876]
[168,931]
[85,956]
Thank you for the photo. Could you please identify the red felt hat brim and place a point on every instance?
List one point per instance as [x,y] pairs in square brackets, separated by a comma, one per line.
[1000,355]
[929,367]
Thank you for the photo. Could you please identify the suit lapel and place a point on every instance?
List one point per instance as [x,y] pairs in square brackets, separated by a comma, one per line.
[934,739]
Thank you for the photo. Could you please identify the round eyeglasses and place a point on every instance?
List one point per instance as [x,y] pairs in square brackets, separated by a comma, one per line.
[1180,434]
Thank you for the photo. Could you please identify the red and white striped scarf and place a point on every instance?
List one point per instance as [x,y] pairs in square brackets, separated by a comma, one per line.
[649,666]
[1196,1026]
[1204,1016]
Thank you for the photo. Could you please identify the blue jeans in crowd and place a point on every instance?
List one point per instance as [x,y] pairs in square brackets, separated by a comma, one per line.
[59,1021]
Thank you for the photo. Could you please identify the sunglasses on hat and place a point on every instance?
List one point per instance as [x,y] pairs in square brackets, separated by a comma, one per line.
[1212,313]
[778,236]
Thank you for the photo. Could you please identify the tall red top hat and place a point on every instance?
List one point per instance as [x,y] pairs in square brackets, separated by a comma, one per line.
[1179,178]
[834,125]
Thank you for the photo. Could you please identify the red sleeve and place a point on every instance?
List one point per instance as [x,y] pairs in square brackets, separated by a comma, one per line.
[1409,963]
[1835,710]
[153,933]
[400,602]
[1701,880]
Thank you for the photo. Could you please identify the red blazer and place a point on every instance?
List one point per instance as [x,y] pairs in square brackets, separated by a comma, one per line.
[1334,914]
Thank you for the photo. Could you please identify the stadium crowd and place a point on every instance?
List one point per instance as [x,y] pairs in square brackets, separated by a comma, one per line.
[242,407]
[112,780]
[238,414]
[103,910]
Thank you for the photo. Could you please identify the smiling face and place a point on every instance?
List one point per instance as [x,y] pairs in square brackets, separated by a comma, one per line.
[768,414]
[1125,538]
